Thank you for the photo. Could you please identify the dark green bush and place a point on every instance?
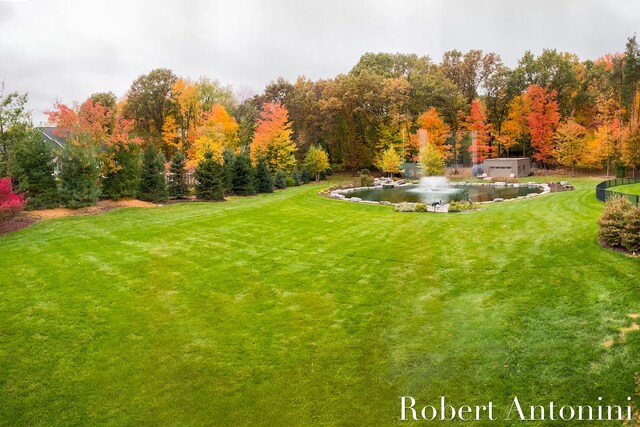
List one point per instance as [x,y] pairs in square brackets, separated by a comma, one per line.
[79,176]
[210,179]
[244,177]
[280,181]
[264,178]
[153,186]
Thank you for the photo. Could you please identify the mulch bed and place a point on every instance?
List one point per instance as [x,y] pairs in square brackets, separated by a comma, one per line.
[618,249]
[18,222]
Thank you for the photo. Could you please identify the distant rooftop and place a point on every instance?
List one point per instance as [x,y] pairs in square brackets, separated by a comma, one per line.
[50,135]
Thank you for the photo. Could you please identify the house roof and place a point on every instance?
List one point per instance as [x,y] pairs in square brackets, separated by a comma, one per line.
[50,135]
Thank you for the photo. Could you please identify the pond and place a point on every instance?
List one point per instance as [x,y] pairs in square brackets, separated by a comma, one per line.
[443,193]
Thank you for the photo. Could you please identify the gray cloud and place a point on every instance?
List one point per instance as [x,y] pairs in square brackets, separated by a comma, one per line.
[68,49]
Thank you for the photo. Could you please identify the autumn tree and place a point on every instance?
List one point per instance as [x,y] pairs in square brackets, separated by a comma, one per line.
[149,101]
[543,120]
[316,161]
[389,162]
[272,139]
[570,144]
[515,129]
[431,161]
[437,130]
[218,130]
[476,123]
[631,150]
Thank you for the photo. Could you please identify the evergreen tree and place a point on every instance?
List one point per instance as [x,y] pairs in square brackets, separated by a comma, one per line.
[280,181]
[178,179]
[229,158]
[297,179]
[32,169]
[123,179]
[263,177]
[79,176]
[244,177]
[210,178]
[305,176]
[153,187]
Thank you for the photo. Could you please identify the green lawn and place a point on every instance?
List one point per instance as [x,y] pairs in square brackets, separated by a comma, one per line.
[293,309]
[628,189]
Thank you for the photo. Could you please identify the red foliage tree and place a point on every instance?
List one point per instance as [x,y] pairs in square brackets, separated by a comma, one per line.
[10,202]
[476,122]
[543,120]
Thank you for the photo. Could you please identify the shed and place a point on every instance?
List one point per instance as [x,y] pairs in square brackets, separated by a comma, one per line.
[504,167]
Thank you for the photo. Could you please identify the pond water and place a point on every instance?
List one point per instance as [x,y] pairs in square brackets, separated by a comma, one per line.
[445,194]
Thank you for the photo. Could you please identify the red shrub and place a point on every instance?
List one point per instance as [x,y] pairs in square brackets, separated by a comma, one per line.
[10,202]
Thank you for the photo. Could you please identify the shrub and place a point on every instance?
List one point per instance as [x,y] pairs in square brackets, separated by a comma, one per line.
[612,220]
[264,178]
[32,169]
[631,231]
[290,182]
[280,181]
[123,176]
[178,187]
[210,178]
[456,206]
[411,207]
[366,180]
[10,202]
[153,186]
[244,177]
[79,176]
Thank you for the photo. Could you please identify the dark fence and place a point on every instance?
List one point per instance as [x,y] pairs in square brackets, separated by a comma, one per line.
[603,194]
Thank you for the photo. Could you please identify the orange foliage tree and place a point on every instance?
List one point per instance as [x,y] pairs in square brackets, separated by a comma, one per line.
[272,138]
[543,120]
[217,131]
[476,122]
[437,130]
[515,130]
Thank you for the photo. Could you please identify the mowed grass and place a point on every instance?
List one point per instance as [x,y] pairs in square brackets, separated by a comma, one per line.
[293,309]
[628,189]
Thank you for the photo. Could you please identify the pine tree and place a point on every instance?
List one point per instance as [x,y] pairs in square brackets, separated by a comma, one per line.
[297,179]
[178,179]
[32,169]
[210,178]
[153,187]
[122,180]
[305,176]
[79,176]
[229,158]
[244,177]
[264,178]
[281,179]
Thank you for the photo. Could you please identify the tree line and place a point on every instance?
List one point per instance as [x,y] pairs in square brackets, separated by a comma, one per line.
[388,109]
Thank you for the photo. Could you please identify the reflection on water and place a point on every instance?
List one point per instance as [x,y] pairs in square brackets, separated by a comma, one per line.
[446,194]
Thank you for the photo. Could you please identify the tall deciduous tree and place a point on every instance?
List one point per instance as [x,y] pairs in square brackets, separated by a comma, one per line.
[218,130]
[272,139]
[431,161]
[570,144]
[477,124]
[543,120]
[14,119]
[437,130]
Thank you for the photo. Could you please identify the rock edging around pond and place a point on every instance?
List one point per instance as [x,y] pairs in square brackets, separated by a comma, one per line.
[340,193]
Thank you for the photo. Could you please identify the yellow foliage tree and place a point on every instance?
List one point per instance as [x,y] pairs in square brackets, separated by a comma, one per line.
[389,162]
[217,131]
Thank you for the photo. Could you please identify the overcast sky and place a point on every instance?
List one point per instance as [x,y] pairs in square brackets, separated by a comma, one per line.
[68,49]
